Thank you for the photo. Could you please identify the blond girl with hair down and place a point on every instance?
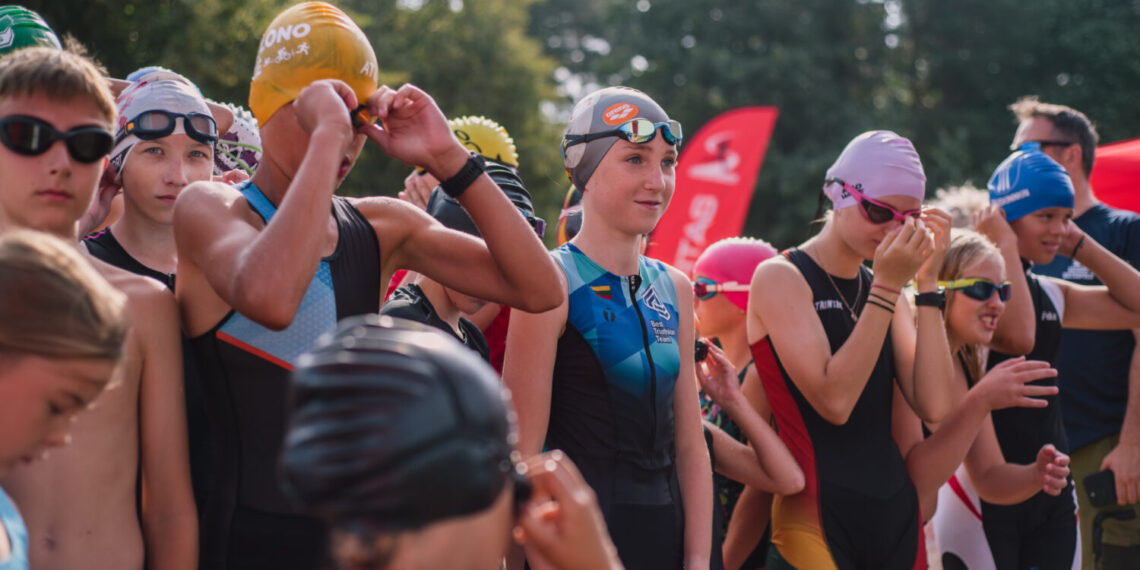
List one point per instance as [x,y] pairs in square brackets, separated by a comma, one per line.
[61,335]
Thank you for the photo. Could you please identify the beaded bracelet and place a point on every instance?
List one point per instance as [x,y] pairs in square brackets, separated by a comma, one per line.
[885,288]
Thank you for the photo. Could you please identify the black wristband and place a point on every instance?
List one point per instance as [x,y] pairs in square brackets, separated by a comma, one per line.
[890,310]
[931,299]
[1080,242]
[472,169]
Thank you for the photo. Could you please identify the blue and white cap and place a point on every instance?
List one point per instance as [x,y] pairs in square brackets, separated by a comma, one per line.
[1027,181]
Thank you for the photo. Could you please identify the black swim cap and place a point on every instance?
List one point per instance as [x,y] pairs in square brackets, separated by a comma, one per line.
[449,213]
[395,425]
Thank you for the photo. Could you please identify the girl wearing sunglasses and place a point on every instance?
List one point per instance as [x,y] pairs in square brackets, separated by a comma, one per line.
[975,296]
[1035,195]
[735,410]
[608,376]
[839,356]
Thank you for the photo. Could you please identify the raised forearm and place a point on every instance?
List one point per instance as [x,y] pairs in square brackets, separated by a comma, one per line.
[1006,483]
[1016,329]
[781,472]
[932,390]
[517,250]
[847,372]
[287,251]
[932,461]
[1122,280]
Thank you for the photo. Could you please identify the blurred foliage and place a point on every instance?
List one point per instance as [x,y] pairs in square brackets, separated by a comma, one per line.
[473,59]
[941,73]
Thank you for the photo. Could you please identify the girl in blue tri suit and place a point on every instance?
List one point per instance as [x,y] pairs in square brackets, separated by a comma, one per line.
[608,376]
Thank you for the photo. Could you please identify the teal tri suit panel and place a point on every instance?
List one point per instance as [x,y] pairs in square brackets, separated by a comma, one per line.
[316,315]
[631,324]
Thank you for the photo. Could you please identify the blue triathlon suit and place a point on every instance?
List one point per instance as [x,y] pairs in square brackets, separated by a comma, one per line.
[611,406]
[12,525]
[248,522]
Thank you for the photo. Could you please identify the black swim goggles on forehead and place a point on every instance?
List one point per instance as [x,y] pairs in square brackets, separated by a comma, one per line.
[979,288]
[637,131]
[32,137]
[156,123]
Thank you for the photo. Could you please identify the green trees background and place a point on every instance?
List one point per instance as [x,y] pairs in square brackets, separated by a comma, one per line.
[938,72]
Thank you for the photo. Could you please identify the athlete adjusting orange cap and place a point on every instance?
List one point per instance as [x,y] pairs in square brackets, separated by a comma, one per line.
[308,42]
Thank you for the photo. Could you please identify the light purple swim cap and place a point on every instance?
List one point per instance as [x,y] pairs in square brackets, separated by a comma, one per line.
[878,163]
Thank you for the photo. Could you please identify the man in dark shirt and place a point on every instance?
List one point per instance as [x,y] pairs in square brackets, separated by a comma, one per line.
[1099,374]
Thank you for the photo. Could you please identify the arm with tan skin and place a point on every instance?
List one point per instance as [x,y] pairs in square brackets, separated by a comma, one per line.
[485,316]
[694,470]
[1124,459]
[754,507]
[1017,328]
[528,370]
[562,523]
[831,383]
[509,265]
[169,519]
[923,367]
[237,260]
[765,462]
[1002,483]
[931,461]
[417,189]
[749,519]
[1116,304]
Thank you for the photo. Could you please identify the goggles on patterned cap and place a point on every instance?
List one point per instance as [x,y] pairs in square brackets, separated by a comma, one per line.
[638,131]
[157,123]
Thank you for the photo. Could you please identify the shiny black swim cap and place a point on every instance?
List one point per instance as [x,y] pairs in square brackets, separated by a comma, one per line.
[395,426]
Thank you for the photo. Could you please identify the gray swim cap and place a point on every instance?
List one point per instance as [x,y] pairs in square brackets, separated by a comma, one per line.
[603,110]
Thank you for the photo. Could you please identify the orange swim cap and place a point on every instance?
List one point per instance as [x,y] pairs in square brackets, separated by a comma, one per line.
[308,42]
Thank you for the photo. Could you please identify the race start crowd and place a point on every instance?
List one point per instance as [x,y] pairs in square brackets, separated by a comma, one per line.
[209,360]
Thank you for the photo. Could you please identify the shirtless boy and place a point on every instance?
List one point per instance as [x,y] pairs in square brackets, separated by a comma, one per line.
[80,506]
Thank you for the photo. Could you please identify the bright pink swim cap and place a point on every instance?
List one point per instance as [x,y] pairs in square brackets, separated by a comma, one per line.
[732,260]
[878,163]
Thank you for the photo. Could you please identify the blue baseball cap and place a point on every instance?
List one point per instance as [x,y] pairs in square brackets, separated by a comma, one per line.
[1027,181]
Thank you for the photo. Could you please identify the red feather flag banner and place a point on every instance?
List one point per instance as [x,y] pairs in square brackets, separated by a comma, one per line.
[716,176]
[1116,174]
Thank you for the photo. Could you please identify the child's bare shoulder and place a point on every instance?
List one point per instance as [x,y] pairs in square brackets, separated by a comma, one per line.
[149,303]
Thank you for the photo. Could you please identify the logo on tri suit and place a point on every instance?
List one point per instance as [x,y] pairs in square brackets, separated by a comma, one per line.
[661,332]
[1049,316]
[827,304]
[655,304]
